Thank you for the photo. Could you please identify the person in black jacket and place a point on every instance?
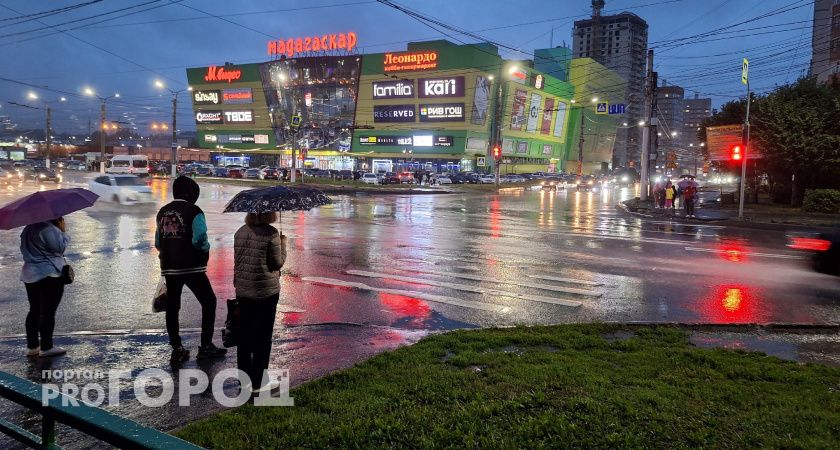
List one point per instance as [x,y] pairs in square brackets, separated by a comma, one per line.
[181,238]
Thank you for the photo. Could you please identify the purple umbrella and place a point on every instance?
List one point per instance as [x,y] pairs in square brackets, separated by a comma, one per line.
[44,206]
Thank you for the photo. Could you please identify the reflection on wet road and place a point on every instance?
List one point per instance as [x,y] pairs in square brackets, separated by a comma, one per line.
[446,261]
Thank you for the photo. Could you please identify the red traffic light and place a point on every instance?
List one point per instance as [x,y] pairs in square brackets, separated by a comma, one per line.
[737,154]
[497,153]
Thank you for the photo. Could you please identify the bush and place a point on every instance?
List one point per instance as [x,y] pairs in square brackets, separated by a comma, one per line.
[822,201]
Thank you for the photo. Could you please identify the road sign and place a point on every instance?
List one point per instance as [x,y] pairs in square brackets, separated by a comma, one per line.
[617,108]
[602,108]
[481,161]
[745,68]
[296,121]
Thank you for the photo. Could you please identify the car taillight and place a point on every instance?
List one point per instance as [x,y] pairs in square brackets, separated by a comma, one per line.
[811,244]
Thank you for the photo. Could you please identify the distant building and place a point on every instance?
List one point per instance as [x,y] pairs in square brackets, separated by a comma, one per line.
[825,40]
[6,124]
[670,112]
[619,42]
[696,110]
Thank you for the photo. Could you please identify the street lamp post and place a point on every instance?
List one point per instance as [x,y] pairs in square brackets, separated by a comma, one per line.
[48,129]
[102,125]
[174,149]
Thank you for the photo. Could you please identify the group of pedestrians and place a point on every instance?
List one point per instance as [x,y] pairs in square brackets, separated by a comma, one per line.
[665,196]
[181,239]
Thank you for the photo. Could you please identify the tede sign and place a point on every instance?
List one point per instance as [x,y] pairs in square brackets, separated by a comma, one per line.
[441,87]
[323,43]
[393,89]
[245,116]
[442,112]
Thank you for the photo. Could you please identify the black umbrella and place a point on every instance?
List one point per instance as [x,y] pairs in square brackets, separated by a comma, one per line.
[277,199]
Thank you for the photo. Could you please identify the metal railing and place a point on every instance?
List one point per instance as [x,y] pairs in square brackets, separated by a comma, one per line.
[95,422]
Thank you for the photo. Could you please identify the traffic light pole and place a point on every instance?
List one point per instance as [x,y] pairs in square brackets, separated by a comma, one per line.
[645,175]
[580,144]
[102,136]
[744,158]
[293,177]
[49,138]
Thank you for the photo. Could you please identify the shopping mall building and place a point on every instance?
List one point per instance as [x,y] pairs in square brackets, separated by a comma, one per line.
[433,105]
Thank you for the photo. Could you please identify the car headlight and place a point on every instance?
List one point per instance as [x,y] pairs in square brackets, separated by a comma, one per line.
[590,182]
[42,176]
[624,179]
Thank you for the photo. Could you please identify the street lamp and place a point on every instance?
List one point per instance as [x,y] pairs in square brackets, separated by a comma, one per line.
[103,126]
[174,151]
[34,96]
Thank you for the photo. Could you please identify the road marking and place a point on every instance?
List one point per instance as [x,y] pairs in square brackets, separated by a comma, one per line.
[415,294]
[467,288]
[717,227]
[544,287]
[565,280]
[723,252]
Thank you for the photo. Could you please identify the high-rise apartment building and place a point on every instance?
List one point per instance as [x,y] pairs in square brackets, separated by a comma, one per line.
[619,42]
[825,40]
[670,112]
[696,110]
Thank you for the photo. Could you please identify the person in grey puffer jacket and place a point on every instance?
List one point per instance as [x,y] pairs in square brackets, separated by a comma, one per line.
[259,254]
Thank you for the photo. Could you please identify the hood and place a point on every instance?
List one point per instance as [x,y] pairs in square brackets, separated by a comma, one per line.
[185,188]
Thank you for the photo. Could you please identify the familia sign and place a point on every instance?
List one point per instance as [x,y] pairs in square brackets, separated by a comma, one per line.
[292,46]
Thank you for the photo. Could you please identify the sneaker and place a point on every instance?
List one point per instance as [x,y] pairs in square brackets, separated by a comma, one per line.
[33,351]
[210,351]
[55,351]
[179,354]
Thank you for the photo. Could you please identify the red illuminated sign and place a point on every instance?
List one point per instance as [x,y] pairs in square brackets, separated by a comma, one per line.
[220,74]
[290,47]
[399,62]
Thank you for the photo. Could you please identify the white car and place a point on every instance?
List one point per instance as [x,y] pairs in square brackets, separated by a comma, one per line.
[122,189]
[487,179]
[443,179]
[8,177]
[370,178]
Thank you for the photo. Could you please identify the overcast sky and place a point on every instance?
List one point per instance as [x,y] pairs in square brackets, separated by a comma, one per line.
[125,51]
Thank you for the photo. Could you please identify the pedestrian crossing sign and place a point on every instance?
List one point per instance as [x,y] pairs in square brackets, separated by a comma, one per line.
[602,108]
[296,121]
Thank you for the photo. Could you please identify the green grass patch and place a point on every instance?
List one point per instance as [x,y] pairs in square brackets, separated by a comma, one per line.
[581,386]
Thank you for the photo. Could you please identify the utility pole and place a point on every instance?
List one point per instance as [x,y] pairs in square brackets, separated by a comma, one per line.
[102,136]
[746,155]
[49,138]
[580,144]
[645,176]
[294,156]
[497,135]
[174,152]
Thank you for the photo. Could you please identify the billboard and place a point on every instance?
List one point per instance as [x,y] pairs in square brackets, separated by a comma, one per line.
[534,113]
[517,117]
[547,115]
[237,96]
[442,112]
[440,87]
[721,139]
[393,89]
[393,113]
[237,117]
[209,117]
[560,120]
[206,97]
[481,100]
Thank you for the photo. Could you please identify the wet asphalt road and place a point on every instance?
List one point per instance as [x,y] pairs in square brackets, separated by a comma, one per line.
[436,262]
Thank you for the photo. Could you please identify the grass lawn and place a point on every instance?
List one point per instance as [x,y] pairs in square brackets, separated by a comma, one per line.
[560,386]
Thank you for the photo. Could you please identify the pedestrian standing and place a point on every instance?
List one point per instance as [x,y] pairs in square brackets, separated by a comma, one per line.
[669,195]
[259,254]
[181,238]
[689,194]
[42,246]
[657,194]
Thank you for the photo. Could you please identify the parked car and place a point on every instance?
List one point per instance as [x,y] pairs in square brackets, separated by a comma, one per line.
[406,177]
[487,179]
[133,164]
[442,179]
[219,172]
[252,174]
[203,171]
[271,173]
[42,174]
[515,178]
[122,189]
[370,178]
[344,175]
[458,178]
[391,178]
[235,173]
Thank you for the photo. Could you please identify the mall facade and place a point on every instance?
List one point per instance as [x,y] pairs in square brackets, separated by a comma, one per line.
[434,105]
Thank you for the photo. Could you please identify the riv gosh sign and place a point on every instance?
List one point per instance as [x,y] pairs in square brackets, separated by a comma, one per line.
[324,43]
[401,62]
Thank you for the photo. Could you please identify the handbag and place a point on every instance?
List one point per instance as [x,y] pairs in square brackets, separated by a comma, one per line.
[159,301]
[67,274]
[230,337]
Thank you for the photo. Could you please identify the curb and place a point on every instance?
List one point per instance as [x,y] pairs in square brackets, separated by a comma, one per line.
[626,209]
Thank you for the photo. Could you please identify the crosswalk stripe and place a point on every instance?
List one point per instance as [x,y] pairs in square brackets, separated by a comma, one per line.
[414,294]
[565,280]
[544,287]
[467,288]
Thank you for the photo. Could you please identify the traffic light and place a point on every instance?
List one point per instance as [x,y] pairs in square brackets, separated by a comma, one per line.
[736,154]
[497,153]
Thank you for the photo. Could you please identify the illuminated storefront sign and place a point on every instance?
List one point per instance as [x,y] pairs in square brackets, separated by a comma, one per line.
[538,81]
[245,116]
[393,113]
[237,96]
[442,112]
[441,87]
[206,97]
[408,141]
[393,89]
[236,138]
[210,117]
[398,62]
[326,42]
[222,74]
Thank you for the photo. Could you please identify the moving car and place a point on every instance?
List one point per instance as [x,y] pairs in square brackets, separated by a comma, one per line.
[7,177]
[133,164]
[271,173]
[370,178]
[824,249]
[42,174]
[550,184]
[406,177]
[586,184]
[122,189]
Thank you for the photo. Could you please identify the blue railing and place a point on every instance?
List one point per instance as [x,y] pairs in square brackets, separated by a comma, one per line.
[95,422]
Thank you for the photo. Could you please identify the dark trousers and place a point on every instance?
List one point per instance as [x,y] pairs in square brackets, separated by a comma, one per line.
[44,297]
[256,326]
[689,206]
[200,287]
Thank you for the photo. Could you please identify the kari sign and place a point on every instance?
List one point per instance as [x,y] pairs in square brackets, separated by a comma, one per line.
[441,87]
[393,89]
[292,46]
[400,62]
[222,74]
[393,113]
[206,97]
[237,96]
[442,112]
[209,117]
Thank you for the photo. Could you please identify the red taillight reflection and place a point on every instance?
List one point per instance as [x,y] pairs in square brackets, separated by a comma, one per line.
[811,244]
[732,252]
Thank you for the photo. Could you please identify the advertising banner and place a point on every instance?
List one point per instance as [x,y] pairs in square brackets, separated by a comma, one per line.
[534,113]
[393,113]
[237,96]
[481,101]
[209,117]
[442,112]
[408,141]
[721,139]
[547,115]
[206,97]
[522,147]
[393,89]
[517,116]
[440,87]
[560,119]
[546,149]
[244,116]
